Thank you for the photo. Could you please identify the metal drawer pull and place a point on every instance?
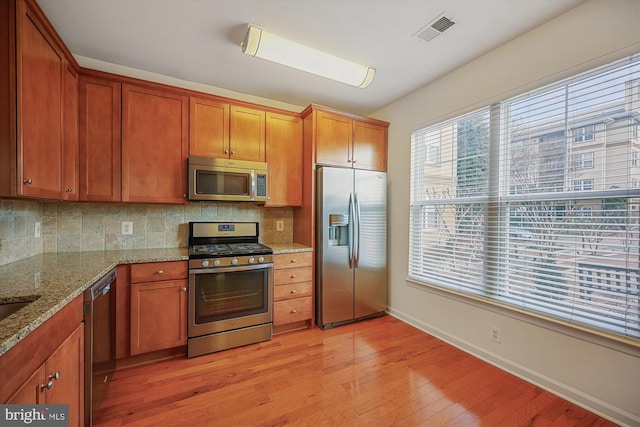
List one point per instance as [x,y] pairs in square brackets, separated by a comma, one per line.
[293,260]
[27,181]
[55,376]
[293,291]
[184,289]
[47,385]
[293,276]
[293,312]
[160,272]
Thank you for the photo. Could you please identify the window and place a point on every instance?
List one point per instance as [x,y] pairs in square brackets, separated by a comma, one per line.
[516,223]
[584,133]
[582,185]
[583,160]
[634,159]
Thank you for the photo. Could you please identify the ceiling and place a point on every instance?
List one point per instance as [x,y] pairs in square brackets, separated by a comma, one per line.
[199,40]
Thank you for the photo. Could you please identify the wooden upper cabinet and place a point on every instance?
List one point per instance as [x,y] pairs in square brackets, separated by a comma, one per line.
[70,133]
[346,140]
[154,145]
[221,130]
[208,128]
[247,134]
[39,108]
[99,141]
[369,146]
[284,159]
[334,135]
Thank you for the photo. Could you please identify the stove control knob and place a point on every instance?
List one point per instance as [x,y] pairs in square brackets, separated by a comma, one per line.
[216,262]
[205,263]
[251,260]
[261,259]
[234,261]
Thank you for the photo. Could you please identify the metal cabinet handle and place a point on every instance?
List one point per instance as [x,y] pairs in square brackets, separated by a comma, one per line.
[293,260]
[293,312]
[354,161]
[160,272]
[184,289]
[233,151]
[47,385]
[226,151]
[293,276]
[293,291]
[55,376]
[27,181]
[184,194]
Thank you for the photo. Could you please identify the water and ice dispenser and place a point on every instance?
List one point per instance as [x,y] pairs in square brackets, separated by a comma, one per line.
[338,229]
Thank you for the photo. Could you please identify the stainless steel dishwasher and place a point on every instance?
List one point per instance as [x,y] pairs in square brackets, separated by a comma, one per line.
[99,342]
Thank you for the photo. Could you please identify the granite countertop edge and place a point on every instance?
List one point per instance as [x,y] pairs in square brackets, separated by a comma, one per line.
[53,280]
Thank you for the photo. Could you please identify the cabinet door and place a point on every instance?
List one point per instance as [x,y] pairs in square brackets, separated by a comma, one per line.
[333,139]
[369,146]
[158,315]
[208,128]
[68,363]
[32,391]
[99,141]
[154,145]
[284,160]
[70,133]
[39,100]
[247,134]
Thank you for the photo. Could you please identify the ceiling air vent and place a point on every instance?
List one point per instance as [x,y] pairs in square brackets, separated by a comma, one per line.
[435,28]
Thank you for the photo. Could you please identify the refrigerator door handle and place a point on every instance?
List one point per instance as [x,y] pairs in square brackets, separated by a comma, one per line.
[356,251]
[351,230]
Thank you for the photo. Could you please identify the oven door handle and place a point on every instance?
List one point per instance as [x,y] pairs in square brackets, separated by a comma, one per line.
[230,269]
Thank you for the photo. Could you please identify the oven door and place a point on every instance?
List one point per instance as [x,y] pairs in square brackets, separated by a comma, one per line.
[228,298]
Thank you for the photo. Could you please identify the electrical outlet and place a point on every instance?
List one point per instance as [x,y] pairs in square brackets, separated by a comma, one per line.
[37,229]
[127,228]
[495,334]
[280,225]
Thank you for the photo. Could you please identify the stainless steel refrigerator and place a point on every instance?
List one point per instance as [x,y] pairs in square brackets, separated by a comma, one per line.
[351,245]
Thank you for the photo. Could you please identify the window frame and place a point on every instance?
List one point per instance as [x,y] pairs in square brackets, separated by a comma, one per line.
[579,134]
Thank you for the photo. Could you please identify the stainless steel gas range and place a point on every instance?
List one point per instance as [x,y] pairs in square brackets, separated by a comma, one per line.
[230,287]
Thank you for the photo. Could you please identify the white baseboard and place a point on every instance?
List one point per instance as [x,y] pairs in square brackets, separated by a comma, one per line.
[591,403]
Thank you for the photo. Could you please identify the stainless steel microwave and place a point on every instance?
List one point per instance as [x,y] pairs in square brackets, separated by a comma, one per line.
[227,180]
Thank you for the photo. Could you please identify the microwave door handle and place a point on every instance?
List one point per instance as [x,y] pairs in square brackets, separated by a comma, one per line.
[253,185]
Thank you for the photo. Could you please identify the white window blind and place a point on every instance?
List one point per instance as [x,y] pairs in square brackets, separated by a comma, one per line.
[536,201]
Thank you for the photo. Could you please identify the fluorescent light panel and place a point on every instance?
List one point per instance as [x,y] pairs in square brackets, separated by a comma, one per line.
[263,44]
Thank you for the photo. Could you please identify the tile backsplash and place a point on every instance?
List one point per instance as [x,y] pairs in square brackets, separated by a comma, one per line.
[71,227]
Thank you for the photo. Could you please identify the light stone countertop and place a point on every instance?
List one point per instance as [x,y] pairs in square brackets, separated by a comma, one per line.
[53,280]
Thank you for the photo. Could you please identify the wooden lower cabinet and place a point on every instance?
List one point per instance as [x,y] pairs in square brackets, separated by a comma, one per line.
[158,306]
[59,380]
[293,291]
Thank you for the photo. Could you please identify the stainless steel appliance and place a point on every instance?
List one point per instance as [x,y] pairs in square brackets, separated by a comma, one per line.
[230,287]
[99,341]
[351,245]
[227,180]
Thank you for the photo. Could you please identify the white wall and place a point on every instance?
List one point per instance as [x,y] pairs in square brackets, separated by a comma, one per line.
[602,376]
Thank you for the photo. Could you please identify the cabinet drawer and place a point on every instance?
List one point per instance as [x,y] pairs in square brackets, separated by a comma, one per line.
[290,311]
[291,275]
[298,259]
[293,290]
[156,271]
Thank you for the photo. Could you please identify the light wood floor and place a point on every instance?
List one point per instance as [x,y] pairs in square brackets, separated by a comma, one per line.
[379,372]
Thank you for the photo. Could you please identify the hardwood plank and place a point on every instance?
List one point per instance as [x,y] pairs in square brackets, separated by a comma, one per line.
[379,372]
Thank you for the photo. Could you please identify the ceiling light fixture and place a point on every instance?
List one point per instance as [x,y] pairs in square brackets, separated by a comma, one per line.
[263,44]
